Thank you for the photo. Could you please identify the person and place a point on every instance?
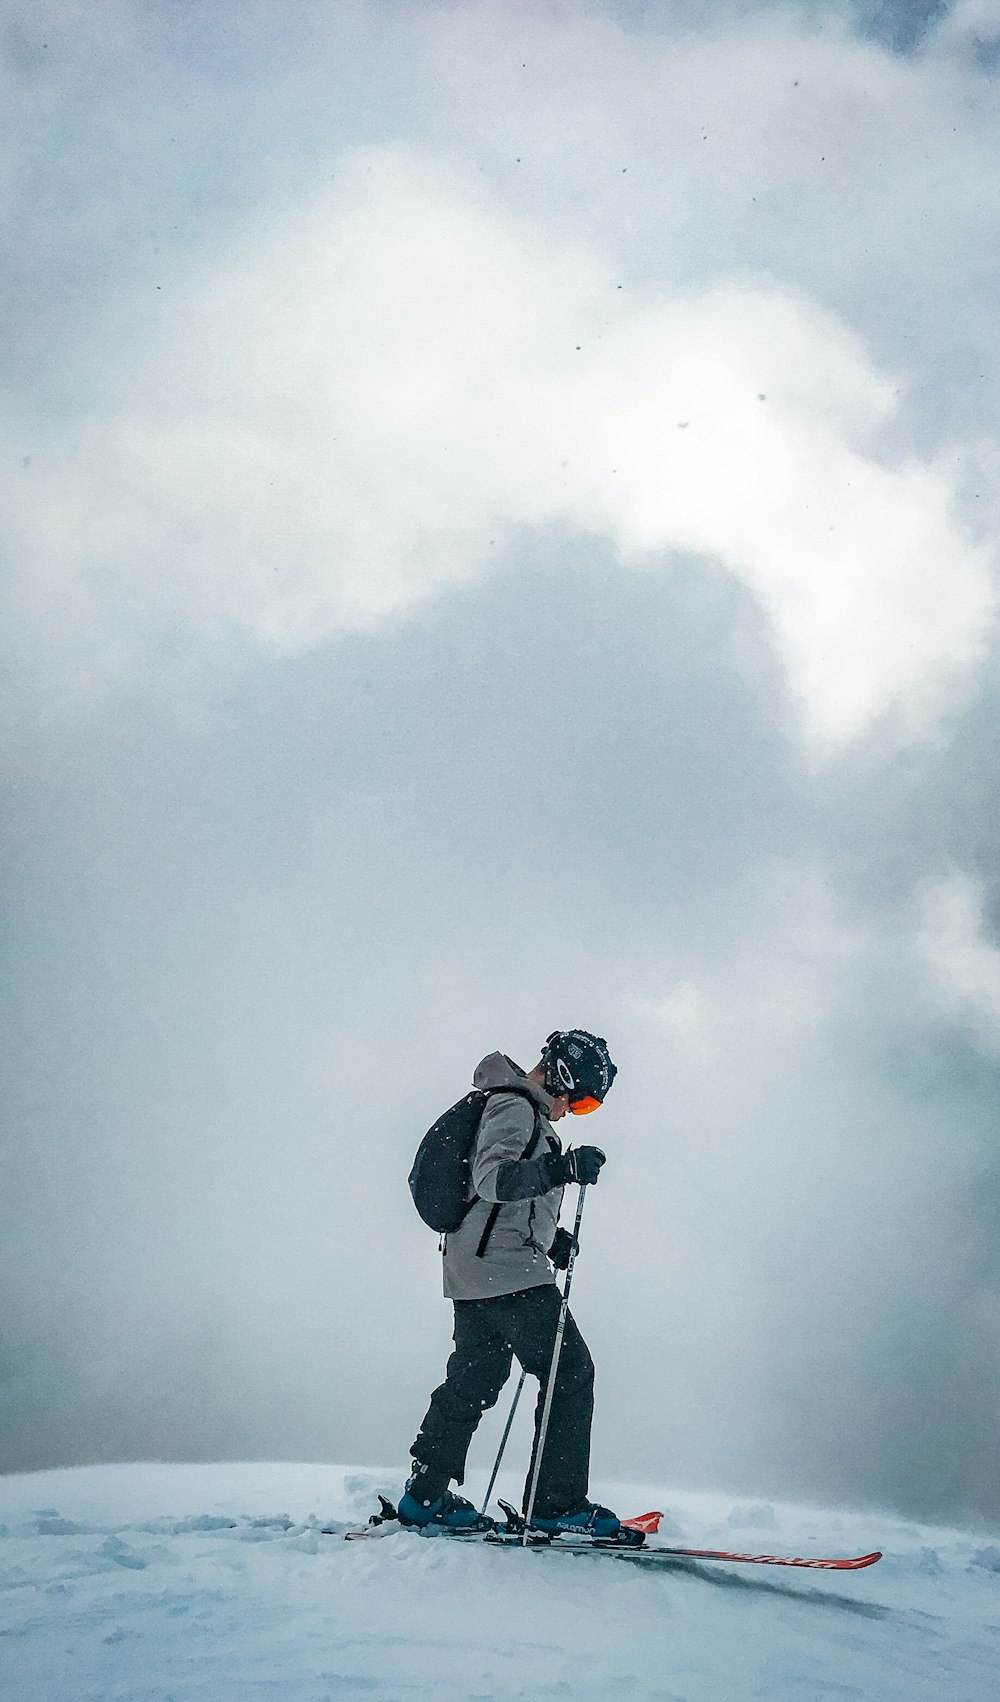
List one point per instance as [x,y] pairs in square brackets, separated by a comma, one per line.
[499,1271]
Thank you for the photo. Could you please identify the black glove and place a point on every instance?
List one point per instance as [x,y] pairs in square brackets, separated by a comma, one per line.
[561,1248]
[581,1164]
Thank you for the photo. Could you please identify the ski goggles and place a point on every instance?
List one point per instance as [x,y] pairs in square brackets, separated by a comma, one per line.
[582,1106]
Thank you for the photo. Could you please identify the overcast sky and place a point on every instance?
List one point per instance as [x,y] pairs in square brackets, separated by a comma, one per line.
[499,510]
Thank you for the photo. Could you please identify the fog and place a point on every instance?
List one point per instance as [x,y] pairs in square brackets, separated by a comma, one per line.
[499,511]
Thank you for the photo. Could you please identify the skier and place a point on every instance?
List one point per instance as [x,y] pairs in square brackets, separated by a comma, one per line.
[499,1270]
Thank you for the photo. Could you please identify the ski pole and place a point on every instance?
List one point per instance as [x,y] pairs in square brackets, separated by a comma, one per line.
[551,1384]
[503,1439]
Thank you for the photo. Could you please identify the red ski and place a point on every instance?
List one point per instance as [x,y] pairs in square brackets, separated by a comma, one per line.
[846,1563]
[644,1525]
[648,1524]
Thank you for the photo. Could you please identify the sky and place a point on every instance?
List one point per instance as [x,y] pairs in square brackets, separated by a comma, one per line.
[499,518]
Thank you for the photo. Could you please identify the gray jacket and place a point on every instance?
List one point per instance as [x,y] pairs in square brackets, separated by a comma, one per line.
[507,1170]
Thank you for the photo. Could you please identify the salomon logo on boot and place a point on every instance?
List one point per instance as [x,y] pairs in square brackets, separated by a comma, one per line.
[589,1520]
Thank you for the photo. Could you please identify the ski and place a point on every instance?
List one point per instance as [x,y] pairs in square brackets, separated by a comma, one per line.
[633,1548]
[661,1554]
[843,1563]
[665,1556]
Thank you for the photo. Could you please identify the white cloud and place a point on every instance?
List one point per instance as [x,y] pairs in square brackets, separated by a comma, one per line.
[737,1025]
[747,139]
[356,403]
[963,963]
[978,20]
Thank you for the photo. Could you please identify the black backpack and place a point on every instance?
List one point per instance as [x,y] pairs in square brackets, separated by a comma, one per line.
[441,1176]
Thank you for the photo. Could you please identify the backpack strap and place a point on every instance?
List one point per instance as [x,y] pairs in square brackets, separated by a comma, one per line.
[494,1212]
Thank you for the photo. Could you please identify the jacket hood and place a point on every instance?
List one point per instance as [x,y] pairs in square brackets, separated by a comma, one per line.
[497,1070]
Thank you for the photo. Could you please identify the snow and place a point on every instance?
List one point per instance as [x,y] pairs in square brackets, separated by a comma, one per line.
[164,1583]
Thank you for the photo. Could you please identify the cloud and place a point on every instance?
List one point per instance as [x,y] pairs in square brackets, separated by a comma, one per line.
[775,989]
[972,22]
[963,962]
[544,350]
[365,398]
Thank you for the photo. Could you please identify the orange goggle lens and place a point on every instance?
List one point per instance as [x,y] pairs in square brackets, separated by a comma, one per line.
[580,1107]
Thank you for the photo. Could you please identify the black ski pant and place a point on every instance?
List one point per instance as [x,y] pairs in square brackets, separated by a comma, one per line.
[488,1334]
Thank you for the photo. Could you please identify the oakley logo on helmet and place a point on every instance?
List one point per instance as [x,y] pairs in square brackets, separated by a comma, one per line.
[565,1075]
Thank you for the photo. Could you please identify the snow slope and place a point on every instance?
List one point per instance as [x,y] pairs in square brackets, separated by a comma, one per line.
[153,1583]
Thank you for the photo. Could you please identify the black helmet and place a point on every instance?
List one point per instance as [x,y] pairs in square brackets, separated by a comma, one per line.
[578,1065]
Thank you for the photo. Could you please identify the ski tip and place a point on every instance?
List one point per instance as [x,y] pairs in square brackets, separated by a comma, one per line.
[383,1528]
[379,1524]
[647,1523]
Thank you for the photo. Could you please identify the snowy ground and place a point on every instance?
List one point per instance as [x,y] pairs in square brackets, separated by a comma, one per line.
[128,1582]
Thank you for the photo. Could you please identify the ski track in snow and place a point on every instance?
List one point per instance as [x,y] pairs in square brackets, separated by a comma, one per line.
[161,1583]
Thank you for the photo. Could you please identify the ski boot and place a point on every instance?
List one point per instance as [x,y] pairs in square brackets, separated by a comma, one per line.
[590,1522]
[429,1504]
